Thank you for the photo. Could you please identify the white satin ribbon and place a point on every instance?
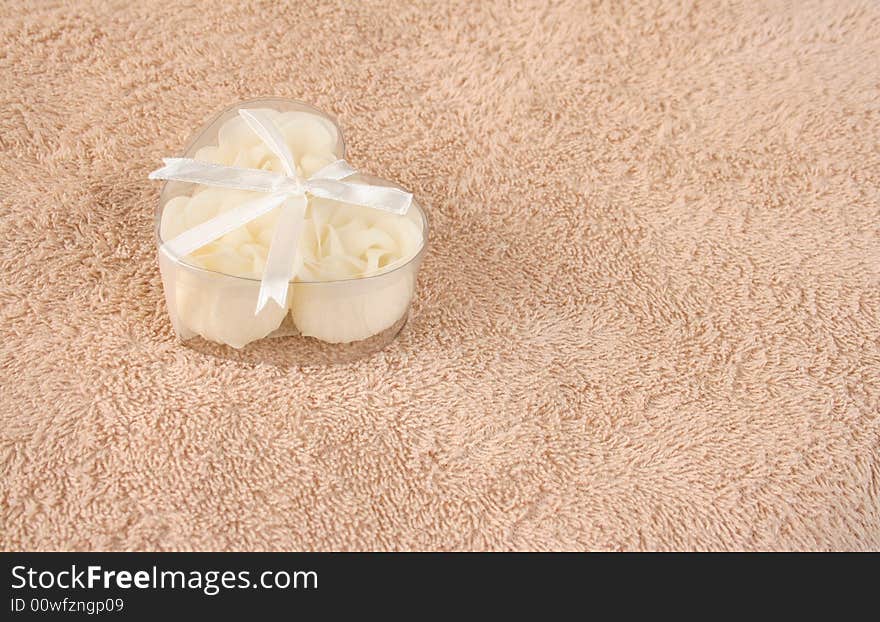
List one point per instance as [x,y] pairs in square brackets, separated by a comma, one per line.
[287,191]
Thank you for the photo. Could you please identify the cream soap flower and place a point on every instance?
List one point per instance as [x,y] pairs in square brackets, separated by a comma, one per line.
[345,243]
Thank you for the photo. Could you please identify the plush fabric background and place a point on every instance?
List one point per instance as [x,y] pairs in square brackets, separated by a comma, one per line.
[649,318]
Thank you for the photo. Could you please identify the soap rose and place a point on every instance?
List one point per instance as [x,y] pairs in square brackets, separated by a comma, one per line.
[344,243]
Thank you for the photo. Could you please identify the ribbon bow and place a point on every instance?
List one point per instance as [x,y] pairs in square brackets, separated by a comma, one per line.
[287,190]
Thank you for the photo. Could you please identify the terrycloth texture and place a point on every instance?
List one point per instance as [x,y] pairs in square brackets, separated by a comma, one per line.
[649,317]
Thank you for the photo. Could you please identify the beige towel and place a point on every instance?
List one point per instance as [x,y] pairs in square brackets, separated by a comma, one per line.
[649,317]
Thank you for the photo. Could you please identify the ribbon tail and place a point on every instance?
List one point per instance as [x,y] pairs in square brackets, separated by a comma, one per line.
[383,198]
[208,174]
[205,233]
[282,253]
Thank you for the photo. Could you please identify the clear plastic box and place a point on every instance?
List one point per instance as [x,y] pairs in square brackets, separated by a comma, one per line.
[214,312]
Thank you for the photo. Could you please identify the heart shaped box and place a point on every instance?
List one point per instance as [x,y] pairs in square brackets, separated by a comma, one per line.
[325,321]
